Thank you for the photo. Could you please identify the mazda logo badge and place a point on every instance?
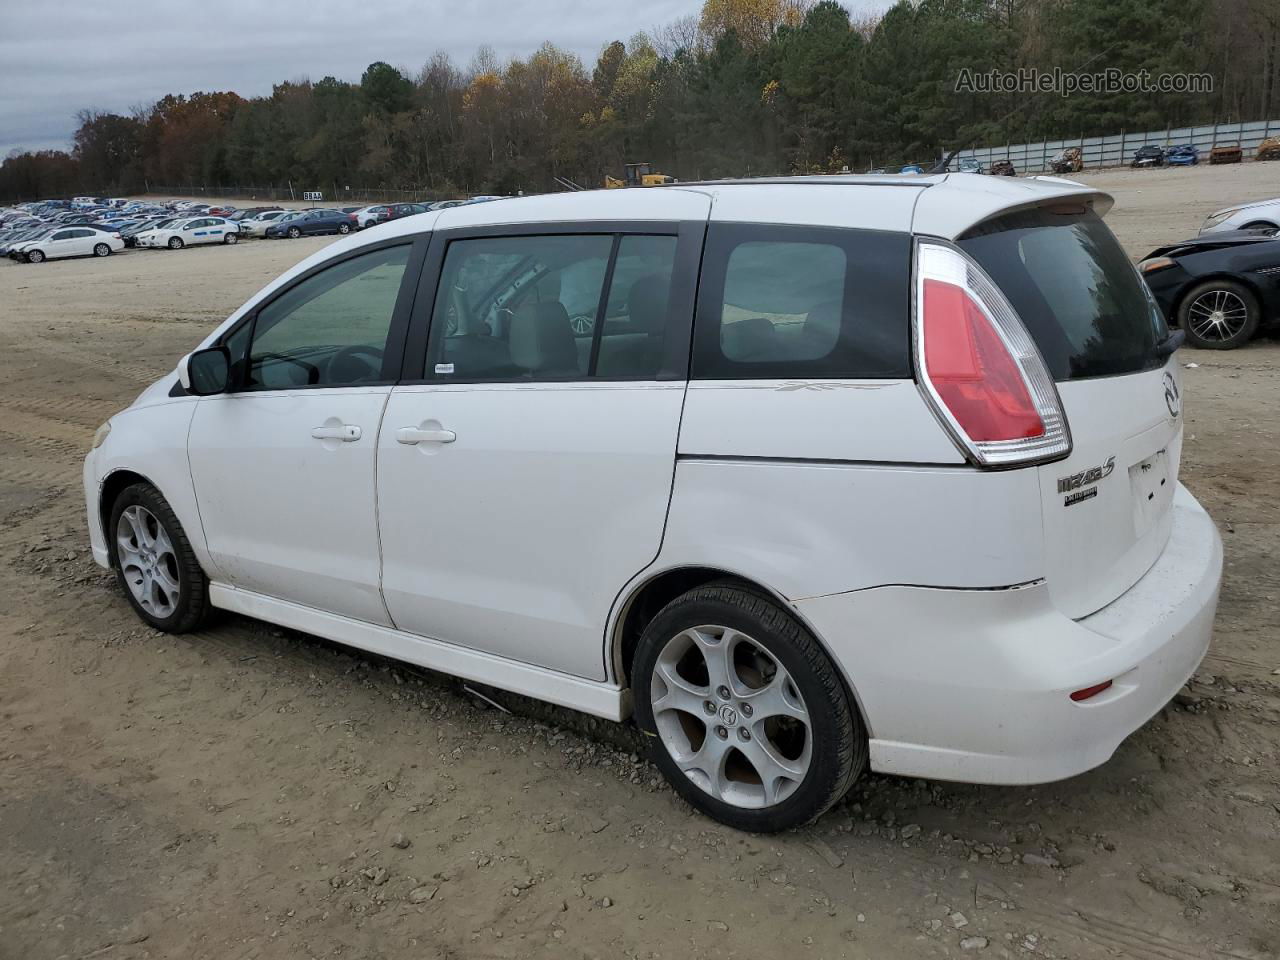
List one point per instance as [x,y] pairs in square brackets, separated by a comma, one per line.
[1171,398]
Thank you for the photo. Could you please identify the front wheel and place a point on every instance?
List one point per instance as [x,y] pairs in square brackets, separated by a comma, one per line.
[1219,315]
[294,233]
[749,719]
[344,228]
[35,256]
[101,250]
[175,243]
[154,562]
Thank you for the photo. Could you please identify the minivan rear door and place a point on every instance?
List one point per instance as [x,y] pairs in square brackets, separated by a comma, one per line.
[525,465]
[1107,507]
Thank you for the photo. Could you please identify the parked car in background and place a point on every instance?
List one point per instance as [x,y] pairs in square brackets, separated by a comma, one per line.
[911,168]
[190,232]
[1067,160]
[1183,155]
[69,242]
[1227,153]
[1221,288]
[130,234]
[310,223]
[11,240]
[256,225]
[968,165]
[1003,168]
[997,577]
[247,213]
[1268,149]
[1148,156]
[1259,215]
[224,210]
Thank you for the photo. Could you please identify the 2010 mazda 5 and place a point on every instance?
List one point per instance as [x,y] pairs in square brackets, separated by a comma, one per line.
[806,476]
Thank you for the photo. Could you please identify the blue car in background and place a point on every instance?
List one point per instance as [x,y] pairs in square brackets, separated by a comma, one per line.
[311,222]
[1183,156]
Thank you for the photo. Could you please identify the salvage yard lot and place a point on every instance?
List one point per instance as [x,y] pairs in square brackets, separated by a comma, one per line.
[252,792]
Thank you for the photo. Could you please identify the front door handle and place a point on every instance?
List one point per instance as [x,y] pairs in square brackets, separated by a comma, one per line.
[347,432]
[412,435]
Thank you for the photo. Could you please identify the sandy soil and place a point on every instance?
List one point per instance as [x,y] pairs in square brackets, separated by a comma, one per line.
[248,792]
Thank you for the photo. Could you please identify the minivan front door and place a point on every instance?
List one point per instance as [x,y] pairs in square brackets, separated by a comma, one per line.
[283,465]
[526,479]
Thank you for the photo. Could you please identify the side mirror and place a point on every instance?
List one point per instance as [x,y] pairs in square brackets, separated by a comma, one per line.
[206,372]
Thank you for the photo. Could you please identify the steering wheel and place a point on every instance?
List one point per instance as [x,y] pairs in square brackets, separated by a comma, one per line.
[355,363]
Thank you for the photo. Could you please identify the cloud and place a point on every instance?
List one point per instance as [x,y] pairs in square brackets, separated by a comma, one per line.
[112,56]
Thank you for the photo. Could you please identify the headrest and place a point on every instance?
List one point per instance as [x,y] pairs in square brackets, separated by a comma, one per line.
[647,302]
[750,339]
[541,340]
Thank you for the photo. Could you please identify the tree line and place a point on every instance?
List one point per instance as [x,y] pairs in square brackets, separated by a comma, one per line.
[747,87]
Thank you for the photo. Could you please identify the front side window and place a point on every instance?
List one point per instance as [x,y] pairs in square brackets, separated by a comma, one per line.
[557,307]
[781,302]
[331,329]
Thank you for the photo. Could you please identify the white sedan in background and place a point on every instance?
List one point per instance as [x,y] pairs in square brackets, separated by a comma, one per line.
[79,241]
[257,226]
[188,232]
[1244,216]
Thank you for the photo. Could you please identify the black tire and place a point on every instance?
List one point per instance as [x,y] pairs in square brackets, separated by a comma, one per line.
[294,233]
[192,607]
[35,256]
[231,238]
[175,243]
[1239,337]
[838,738]
[101,250]
[344,228]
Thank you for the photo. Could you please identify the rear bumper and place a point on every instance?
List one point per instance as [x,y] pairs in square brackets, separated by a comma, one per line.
[974,685]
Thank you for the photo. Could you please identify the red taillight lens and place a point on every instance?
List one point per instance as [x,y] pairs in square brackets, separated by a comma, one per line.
[971,369]
[978,367]
[1093,691]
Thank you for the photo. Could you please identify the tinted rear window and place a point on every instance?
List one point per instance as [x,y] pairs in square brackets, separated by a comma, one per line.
[1071,283]
[784,302]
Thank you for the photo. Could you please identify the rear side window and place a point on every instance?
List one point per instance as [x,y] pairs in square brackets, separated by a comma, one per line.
[1080,298]
[781,302]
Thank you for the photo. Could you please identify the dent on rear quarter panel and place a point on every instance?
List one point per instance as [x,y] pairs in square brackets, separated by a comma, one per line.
[810,529]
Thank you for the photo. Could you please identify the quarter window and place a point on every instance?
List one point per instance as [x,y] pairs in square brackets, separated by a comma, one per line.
[331,329]
[781,302]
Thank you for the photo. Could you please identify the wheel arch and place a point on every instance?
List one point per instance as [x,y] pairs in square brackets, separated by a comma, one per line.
[112,485]
[645,598]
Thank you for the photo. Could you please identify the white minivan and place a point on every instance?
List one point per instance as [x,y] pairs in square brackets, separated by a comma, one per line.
[804,475]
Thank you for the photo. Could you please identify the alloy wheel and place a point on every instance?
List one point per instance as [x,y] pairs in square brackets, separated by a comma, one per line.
[1217,315]
[148,561]
[731,717]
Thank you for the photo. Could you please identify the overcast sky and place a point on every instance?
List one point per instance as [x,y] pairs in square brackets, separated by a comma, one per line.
[60,56]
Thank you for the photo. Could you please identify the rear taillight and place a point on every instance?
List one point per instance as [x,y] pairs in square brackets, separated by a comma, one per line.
[978,366]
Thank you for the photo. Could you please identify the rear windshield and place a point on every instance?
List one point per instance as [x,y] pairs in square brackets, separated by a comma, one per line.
[1071,283]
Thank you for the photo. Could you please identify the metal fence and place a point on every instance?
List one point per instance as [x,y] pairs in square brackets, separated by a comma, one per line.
[329,193]
[1117,150]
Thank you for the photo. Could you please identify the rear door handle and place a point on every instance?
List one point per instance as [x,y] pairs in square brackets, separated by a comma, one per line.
[347,432]
[412,435]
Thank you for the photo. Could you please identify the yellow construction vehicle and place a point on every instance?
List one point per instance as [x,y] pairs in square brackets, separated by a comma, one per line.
[638,175]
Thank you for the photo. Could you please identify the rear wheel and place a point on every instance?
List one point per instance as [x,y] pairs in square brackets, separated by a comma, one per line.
[175,243]
[231,238]
[154,562]
[35,256]
[344,228]
[749,719]
[1219,315]
[101,250]
[294,233]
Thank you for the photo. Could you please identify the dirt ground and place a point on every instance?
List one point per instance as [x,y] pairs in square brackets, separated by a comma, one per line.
[247,792]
